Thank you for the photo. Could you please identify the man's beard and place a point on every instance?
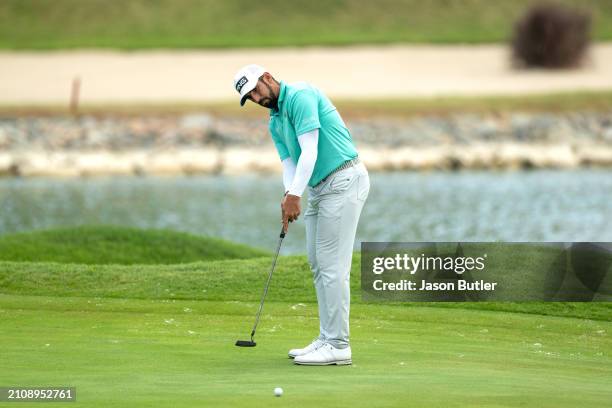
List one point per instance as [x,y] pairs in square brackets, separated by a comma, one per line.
[270,101]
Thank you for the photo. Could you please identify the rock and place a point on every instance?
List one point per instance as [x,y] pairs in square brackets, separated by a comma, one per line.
[200,143]
[595,155]
[239,161]
[195,121]
[6,164]
[607,135]
[105,162]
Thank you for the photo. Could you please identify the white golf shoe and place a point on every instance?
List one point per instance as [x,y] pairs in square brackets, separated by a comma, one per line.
[316,343]
[326,355]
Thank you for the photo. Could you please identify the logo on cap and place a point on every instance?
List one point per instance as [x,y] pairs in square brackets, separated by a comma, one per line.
[241,82]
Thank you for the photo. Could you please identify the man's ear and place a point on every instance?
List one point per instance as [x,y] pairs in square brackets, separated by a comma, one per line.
[269,79]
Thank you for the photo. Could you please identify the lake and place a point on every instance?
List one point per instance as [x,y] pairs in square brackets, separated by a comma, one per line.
[539,205]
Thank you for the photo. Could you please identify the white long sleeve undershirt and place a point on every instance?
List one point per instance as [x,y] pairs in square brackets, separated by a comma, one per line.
[288,172]
[295,178]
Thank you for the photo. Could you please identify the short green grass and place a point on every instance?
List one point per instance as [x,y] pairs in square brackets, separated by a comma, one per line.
[163,335]
[137,24]
[142,353]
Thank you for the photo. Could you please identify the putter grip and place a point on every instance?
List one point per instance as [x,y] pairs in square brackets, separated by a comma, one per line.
[282,234]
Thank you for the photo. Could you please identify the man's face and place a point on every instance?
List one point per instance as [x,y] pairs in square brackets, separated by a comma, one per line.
[263,94]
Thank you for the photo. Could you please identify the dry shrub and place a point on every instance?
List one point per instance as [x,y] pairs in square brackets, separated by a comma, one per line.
[551,35]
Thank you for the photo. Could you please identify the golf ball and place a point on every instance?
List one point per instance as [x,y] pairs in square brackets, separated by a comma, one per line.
[278,391]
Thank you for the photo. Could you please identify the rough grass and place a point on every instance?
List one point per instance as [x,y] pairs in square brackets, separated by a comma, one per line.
[600,101]
[118,245]
[229,280]
[45,24]
[556,102]
[167,265]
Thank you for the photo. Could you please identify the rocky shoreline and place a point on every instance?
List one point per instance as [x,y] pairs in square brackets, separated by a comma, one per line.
[203,143]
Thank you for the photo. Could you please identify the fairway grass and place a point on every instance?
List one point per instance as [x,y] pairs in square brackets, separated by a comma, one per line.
[173,353]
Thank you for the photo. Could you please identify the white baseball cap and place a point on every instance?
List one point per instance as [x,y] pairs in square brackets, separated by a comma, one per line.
[246,79]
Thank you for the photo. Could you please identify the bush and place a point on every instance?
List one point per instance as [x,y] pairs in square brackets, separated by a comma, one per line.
[551,36]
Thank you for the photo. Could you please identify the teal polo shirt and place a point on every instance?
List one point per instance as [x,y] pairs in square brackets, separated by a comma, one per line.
[303,108]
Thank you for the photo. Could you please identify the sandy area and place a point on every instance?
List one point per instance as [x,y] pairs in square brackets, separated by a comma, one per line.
[349,72]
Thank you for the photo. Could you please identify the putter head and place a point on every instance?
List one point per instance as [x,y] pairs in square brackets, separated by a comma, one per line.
[245,343]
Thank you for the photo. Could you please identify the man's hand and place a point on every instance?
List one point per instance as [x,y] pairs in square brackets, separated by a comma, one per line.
[290,210]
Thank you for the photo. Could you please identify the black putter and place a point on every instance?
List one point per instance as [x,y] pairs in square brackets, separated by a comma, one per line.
[251,343]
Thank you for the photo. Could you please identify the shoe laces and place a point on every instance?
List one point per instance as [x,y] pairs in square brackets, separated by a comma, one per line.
[318,343]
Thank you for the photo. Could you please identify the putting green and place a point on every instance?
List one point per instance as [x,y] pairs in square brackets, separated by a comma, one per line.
[181,353]
[163,334]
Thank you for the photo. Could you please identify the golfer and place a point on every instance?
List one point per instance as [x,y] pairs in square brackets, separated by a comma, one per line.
[316,150]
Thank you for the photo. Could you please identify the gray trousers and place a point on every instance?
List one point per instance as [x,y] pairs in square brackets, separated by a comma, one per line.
[331,223]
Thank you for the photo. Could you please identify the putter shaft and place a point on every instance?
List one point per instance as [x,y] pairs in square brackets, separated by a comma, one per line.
[265,292]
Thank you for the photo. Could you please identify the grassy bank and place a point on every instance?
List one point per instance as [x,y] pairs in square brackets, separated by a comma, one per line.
[600,101]
[32,24]
[118,245]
